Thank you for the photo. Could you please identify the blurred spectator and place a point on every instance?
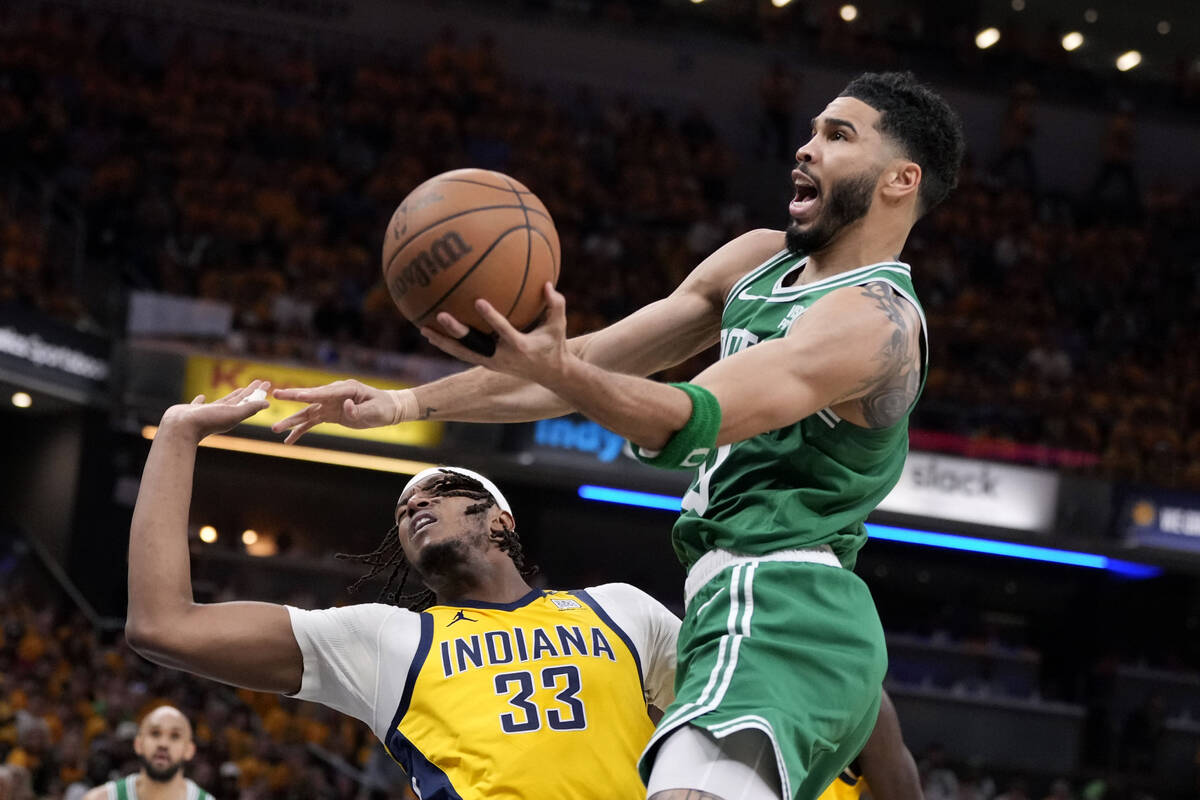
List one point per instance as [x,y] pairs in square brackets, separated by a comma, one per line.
[937,778]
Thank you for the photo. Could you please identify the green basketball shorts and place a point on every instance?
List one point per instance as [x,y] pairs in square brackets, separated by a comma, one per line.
[787,644]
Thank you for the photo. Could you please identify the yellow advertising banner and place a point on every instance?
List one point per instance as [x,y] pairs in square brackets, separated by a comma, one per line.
[217,377]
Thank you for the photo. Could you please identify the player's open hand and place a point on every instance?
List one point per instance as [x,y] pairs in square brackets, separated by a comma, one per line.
[199,419]
[537,356]
[350,403]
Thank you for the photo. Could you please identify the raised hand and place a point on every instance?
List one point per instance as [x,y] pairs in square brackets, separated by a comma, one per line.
[537,356]
[199,419]
[349,403]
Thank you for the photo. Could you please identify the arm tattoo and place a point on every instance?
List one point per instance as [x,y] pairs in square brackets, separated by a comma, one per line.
[427,413]
[894,383]
[683,794]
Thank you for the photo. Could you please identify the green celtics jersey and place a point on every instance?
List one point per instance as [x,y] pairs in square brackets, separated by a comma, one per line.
[126,789]
[811,483]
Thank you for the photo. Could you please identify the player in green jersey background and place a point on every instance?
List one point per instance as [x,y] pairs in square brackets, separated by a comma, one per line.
[163,746]
[796,434]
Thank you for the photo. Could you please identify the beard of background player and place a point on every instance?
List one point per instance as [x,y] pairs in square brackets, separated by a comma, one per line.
[158,775]
[847,202]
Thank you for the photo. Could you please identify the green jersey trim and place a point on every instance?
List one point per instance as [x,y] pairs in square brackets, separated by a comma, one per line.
[753,274]
[780,294]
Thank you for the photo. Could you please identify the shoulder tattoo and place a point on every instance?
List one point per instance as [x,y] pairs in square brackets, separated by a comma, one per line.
[893,384]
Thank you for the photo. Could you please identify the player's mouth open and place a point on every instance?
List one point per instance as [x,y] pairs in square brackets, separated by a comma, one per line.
[422,521]
[806,198]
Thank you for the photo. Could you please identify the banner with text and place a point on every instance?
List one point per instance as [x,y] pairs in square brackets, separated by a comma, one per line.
[217,377]
[1162,519]
[977,492]
[38,347]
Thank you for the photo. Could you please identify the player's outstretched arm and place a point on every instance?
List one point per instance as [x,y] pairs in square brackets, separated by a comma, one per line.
[856,348]
[244,644]
[660,335]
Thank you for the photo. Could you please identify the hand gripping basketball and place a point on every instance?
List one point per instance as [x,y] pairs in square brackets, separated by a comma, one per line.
[537,355]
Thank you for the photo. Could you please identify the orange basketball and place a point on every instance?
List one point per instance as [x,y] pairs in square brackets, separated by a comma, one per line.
[469,234]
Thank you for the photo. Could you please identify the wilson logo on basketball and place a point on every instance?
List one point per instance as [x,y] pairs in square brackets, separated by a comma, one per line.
[441,255]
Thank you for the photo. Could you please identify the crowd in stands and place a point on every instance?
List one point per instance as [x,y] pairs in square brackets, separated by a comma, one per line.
[231,169]
[71,698]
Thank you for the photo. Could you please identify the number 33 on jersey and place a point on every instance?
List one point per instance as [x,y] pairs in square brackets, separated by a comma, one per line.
[540,698]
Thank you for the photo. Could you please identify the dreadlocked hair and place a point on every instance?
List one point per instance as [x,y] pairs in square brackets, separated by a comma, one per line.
[389,555]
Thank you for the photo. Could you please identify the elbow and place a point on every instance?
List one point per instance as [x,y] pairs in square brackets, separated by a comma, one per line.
[152,640]
[141,637]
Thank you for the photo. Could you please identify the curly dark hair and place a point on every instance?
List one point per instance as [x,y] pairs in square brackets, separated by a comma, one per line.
[921,121]
[389,553]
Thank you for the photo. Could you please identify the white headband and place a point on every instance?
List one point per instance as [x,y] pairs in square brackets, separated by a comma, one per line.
[488,485]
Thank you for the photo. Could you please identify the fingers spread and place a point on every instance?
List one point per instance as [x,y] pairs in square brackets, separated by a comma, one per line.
[498,321]
[296,433]
[452,347]
[302,395]
[451,325]
[303,415]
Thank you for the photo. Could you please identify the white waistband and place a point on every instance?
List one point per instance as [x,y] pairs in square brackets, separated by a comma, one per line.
[713,562]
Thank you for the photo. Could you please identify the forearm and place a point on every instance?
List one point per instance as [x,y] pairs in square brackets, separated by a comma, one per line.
[630,347]
[160,583]
[481,395]
[643,411]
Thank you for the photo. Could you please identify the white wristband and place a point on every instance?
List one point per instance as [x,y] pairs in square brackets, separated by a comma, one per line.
[405,405]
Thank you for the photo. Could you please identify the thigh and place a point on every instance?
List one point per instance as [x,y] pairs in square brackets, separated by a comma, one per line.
[694,764]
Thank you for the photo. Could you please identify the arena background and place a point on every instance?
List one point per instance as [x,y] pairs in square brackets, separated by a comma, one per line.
[193,195]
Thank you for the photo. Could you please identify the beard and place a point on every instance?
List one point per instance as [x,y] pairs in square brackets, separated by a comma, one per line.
[848,201]
[159,775]
[450,558]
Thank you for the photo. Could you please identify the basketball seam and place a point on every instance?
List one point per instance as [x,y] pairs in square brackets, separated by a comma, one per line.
[481,183]
[528,249]
[434,224]
[467,274]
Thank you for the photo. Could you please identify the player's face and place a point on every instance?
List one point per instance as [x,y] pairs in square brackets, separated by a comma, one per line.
[435,526]
[836,173]
[163,745]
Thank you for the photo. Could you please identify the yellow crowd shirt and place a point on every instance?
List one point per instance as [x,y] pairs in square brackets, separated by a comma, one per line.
[541,698]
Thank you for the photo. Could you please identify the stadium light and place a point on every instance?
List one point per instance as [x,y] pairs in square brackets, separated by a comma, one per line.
[1091,15]
[22,399]
[208,534]
[1128,60]
[1018,5]
[780,3]
[972,544]
[249,536]
[986,38]
[1163,27]
[1072,41]
[848,12]
[317,455]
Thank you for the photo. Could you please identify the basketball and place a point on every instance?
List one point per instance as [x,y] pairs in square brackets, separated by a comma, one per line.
[469,234]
